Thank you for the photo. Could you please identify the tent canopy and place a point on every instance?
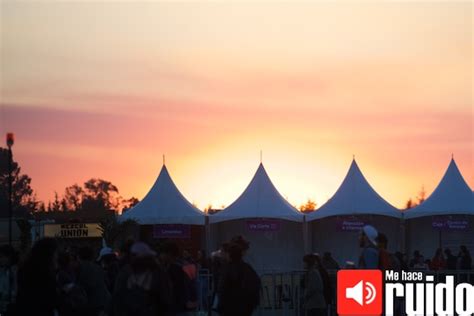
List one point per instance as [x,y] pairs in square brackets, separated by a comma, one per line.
[164,204]
[355,196]
[259,200]
[452,196]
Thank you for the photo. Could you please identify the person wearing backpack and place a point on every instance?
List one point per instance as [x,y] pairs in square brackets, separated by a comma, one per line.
[239,285]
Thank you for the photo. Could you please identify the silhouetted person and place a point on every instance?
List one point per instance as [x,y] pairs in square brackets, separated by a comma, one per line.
[451,260]
[387,260]
[402,259]
[438,262]
[37,282]
[239,285]
[184,293]
[314,301]
[464,258]
[91,278]
[369,259]
[415,259]
[219,259]
[109,263]
[142,289]
[329,262]
[327,285]
[8,276]
[72,298]
[125,257]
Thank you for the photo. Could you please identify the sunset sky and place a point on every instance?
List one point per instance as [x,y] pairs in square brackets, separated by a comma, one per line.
[104,89]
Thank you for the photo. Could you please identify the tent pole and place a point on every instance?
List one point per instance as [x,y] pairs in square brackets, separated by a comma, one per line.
[305,235]
[208,237]
[403,244]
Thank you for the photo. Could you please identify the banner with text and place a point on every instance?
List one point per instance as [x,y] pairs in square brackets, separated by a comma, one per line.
[171,231]
[263,225]
[350,224]
[451,222]
[72,230]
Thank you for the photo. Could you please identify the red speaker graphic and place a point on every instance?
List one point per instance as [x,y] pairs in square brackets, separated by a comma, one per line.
[359,292]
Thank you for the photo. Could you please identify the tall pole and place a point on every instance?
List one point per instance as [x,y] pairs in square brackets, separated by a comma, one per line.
[10,141]
[10,204]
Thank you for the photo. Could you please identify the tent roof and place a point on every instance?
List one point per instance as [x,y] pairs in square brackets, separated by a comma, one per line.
[259,200]
[355,196]
[164,204]
[451,196]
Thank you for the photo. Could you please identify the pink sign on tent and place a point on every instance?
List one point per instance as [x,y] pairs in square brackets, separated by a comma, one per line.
[171,231]
[450,222]
[263,225]
[350,224]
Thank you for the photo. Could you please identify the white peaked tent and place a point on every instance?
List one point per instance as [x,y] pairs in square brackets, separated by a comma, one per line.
[452,196]
[355,198]
[164,204]
[259,200]
[451,199]
[279,249]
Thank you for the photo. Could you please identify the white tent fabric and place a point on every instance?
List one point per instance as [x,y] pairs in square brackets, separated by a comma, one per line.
[452,196]
[259,200]
[355,196]
[164,204]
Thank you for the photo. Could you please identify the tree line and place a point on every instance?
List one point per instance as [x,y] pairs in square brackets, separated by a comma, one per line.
[96,198]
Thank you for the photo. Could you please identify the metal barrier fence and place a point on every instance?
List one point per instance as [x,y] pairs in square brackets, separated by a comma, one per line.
[282,294]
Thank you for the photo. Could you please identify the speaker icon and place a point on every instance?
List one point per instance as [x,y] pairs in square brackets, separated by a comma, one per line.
[357,293]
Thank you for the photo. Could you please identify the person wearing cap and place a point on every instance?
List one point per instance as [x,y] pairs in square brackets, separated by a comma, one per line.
[369,258]
[109,263]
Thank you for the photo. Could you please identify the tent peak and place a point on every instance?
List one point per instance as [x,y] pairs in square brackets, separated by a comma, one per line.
[452,195]
[259,200]
[355,196]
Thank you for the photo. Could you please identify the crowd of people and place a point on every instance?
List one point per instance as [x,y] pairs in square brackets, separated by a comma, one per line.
[69,282]
[141,281]
[375,255]
[319,284]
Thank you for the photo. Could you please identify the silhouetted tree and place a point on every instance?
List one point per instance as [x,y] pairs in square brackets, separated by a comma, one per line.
[73,197]
[115,232]
[24,199]
[309,206]
[421,195]
[419,199]
[56,205]
[128,204]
